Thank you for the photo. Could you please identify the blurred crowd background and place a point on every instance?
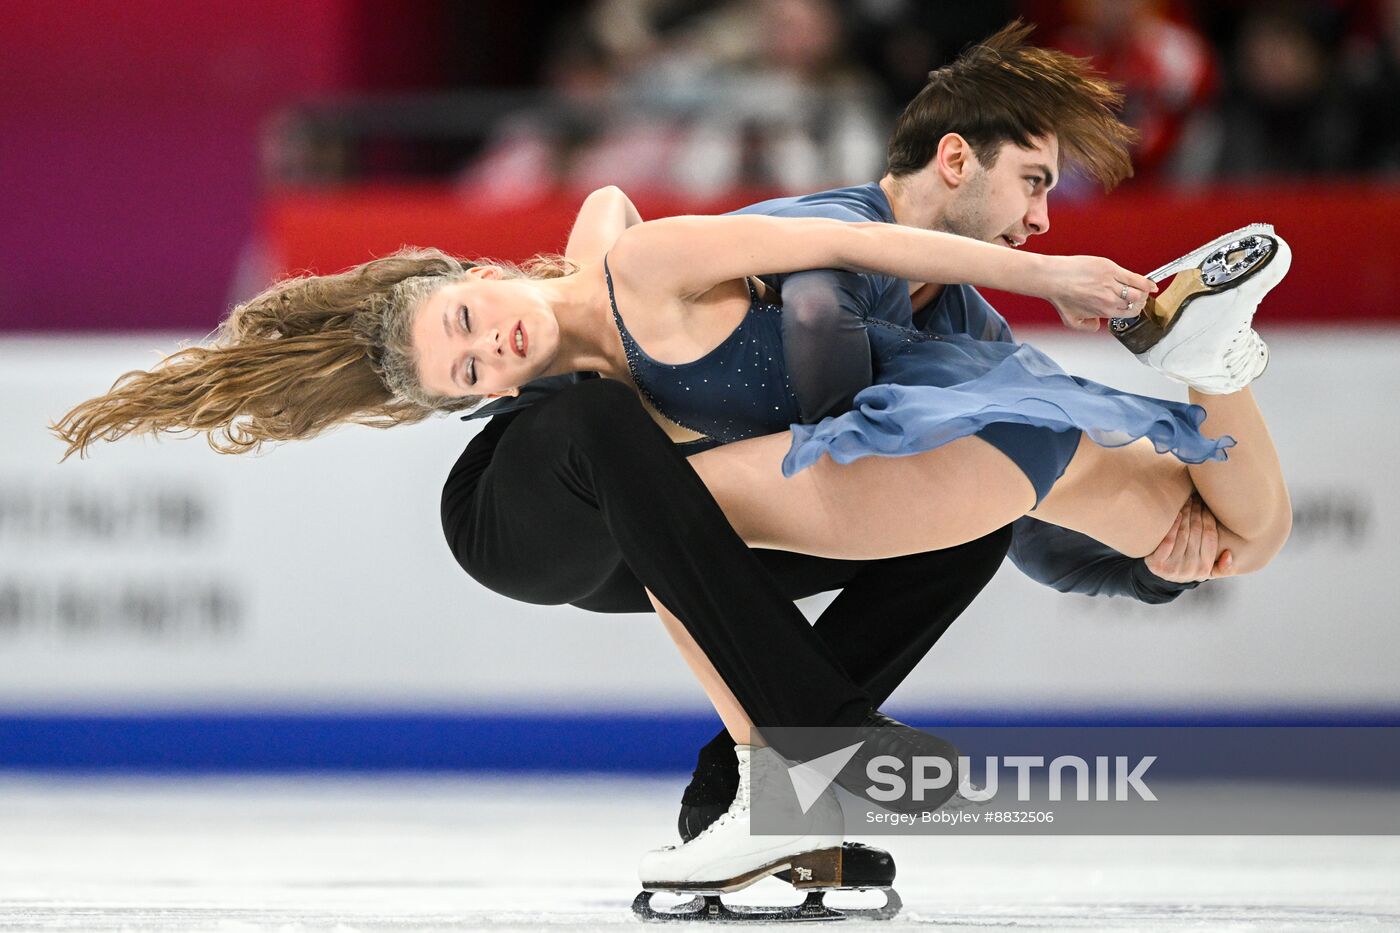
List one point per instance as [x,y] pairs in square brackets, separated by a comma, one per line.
[797,95]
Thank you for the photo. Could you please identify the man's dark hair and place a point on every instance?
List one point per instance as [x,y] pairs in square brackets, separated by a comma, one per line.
[1003,90]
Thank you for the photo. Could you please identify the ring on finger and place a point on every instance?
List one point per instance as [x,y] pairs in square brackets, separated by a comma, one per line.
[1123,293]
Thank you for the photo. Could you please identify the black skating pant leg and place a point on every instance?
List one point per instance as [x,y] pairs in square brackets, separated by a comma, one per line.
[886,619]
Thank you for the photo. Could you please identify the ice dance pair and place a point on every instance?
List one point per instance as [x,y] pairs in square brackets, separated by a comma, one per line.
[1204,337]
[398,338]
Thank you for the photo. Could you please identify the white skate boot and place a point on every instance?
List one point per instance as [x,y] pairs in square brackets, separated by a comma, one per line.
[1212,347]
[727,857]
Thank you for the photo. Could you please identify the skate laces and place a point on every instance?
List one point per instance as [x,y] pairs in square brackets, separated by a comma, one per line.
[738,807]
[1242,351]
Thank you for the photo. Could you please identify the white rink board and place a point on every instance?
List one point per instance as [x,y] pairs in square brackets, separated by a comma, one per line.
[160,575]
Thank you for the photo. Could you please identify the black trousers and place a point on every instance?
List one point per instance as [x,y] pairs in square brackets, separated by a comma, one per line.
[582,499]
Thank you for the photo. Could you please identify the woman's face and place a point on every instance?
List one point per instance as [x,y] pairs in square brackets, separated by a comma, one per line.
[483,335]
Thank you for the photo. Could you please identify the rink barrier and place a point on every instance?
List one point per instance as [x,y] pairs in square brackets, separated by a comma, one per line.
[445,742]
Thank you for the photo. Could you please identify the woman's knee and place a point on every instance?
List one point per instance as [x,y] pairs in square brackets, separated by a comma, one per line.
[1258,550]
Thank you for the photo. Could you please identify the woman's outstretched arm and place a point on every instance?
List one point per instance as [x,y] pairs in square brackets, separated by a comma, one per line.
[689,255]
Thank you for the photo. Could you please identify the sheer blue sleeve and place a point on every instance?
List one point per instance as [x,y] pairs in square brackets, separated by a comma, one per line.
[824,341]
[1074,563]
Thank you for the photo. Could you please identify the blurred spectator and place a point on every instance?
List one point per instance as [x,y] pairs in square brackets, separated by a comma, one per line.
[1373,84]
[699,97]
[901,41]
[1166,68]
[1286,110]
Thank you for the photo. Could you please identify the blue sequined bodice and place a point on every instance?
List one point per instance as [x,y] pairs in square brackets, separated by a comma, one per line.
[739,389]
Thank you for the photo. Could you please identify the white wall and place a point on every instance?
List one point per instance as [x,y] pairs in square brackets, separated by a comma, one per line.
[161,575]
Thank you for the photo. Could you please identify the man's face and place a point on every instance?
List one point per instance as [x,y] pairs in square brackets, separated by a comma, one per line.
[1006,204]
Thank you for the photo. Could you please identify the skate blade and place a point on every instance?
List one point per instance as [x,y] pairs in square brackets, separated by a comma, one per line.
[712,909]
[1200,255]
[1224,263]
[1227,263]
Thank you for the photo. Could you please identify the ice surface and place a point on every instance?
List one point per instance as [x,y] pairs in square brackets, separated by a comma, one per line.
[529,853]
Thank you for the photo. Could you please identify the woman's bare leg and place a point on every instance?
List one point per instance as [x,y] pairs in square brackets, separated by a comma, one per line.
[1126,497]
[736,721]
[873,508]
[1247,493]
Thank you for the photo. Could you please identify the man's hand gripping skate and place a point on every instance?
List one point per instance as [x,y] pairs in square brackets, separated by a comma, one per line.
[1190,552]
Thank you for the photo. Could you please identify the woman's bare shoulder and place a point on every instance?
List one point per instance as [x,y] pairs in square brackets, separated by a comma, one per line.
[638,293]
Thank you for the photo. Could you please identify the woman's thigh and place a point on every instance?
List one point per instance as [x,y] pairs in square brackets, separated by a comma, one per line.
[871,508]
[875,507]
[1125,497]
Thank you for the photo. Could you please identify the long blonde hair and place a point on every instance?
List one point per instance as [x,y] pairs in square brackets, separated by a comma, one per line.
[307,354]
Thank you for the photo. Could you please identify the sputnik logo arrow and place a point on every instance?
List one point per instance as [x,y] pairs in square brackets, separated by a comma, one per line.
[811,778]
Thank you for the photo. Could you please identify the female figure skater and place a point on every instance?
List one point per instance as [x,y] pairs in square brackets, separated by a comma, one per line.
[397,338]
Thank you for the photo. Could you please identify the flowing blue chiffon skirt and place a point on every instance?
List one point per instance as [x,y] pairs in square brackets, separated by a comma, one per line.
[932,389]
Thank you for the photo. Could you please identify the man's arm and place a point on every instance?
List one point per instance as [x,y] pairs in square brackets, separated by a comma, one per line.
[824,312]
[1074,563]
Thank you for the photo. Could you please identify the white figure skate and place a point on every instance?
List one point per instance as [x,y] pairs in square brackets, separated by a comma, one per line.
[1211,347]
[727,857]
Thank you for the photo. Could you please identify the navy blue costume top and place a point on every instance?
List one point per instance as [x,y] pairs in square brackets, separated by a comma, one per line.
[739,389]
